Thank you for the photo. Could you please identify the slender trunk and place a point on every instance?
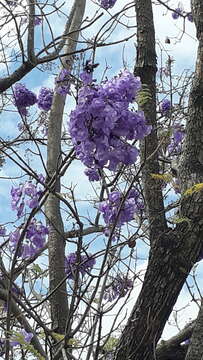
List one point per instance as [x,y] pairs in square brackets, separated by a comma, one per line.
[58,301]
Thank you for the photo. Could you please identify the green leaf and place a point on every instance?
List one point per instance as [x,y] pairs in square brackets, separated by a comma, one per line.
[110,345]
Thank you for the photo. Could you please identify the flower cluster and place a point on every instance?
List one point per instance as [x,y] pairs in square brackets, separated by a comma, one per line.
[63,82]
[175,146]
[2,231]
[165,106]
[45,98]
[26,190]
[118,288]
[102,124]
[37,20]
[82,264]
[35,238]
[23,98]
[107,4]
[113,212]
[178,12]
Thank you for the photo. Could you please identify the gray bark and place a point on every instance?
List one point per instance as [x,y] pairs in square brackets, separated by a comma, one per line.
[58,301]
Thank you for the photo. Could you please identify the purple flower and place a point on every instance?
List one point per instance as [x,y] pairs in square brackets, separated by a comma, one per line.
[92,174]
[37,21]
[165,106]
[176,14]
[118,288]
[190,17]
[33,202]
[63,82]
[101,124]
[35,239]
[45,99]
[63,90]
[29,188]
[22,336]
[175,145]
[83,264]
[107,4]
[113,211]
[2,231]
[11,3]
[86,77]
[41,178]
[14,238]
[23,97]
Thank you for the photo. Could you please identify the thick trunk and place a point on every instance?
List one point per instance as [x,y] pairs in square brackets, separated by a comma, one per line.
[173,252]
[195,350]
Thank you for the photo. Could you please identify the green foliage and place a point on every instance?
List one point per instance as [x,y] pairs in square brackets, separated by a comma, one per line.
[111,344]
[144,95]
[19,337]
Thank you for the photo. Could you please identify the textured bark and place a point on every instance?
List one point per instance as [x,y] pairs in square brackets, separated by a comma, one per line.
[173,252]
[146,68]
[58,301]
[195,350]
[172,348]
[192,164]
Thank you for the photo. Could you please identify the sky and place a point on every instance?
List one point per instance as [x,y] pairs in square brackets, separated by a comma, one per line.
[182,49]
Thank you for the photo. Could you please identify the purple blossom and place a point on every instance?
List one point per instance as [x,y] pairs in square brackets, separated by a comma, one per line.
[35,239]
[165,106]
[37,20]
[11,3]
[190,17]
[45,98]
[2,231]
[13,239]
[107,4]
[102,124]
[118,288]
[175,145]
[92,174]
[23,97]
[86,77]
[83,264]
[63,82]
[176,14]
[33,202]
[23,335]
[113,211]
[63,90]
[28,189]
[41,178]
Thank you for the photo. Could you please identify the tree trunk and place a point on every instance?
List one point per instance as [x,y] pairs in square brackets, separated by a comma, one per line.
[56,241]
[173,252]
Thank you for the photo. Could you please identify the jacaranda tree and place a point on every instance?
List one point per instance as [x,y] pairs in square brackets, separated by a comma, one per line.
[100,165]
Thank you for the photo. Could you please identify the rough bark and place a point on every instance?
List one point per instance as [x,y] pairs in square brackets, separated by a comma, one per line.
[58,301]
[146,68]
[173,252]
[192,164]
[195,350]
